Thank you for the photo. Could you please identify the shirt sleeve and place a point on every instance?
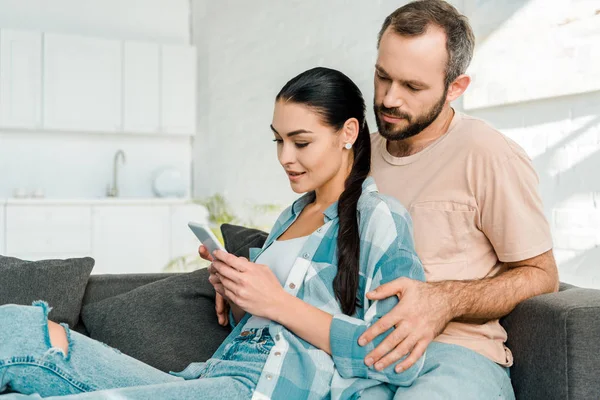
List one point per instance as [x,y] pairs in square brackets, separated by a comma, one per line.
[512,215]
[396,259]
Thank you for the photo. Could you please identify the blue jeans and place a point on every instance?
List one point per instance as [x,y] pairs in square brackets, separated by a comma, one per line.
[30,365]
[452,372]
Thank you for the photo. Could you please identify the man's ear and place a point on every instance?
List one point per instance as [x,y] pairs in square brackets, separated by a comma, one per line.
[458,87]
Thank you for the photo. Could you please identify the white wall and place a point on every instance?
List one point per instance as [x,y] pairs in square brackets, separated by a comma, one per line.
[80,164]
[161,20]
[561,134]
[247,51]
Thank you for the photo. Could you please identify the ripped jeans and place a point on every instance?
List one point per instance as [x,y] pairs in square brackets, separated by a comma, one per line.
[29,365]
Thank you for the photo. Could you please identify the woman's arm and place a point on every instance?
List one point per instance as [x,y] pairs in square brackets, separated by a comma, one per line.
[338,335]
[304,320]
[255,288]
[348,353]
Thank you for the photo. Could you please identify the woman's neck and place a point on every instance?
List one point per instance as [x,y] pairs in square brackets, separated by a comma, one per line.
[330,192]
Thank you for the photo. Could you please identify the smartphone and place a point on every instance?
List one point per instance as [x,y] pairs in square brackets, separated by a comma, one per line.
[206,237]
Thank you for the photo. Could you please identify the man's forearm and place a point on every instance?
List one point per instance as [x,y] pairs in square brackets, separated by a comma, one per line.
[492,298]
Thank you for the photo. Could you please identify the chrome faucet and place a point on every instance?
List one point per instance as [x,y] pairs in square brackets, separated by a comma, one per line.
[114,190]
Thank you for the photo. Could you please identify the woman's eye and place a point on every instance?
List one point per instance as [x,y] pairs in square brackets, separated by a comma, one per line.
[278,141]
[301,145]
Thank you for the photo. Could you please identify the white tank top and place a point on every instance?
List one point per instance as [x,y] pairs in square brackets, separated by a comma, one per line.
[280,257]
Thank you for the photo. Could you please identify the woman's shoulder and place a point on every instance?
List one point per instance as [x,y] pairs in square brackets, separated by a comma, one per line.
[385,230]
[372,203]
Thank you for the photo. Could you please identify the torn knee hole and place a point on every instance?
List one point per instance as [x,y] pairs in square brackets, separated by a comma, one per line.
[59,337]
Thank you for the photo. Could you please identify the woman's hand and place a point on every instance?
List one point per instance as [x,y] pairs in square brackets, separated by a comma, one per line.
[253,287]
[222,305]
[215,279]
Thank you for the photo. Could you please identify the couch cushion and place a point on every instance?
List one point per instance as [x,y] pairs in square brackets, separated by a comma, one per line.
[554,338]
[167,324]
[100,287]
[239,239]
[61,283]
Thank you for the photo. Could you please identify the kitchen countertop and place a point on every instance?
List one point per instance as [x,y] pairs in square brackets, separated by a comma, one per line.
[108,201]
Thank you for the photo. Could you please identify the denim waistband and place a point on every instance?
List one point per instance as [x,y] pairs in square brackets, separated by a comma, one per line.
[254,334]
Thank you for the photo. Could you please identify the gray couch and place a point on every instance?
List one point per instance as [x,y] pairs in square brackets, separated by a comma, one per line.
[555,338]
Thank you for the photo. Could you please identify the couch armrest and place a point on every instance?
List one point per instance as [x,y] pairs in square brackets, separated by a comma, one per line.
[555,339]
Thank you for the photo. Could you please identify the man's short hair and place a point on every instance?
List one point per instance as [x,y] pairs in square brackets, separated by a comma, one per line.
[414,18]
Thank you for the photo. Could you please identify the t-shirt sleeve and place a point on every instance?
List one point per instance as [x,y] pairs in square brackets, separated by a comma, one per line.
[511,210]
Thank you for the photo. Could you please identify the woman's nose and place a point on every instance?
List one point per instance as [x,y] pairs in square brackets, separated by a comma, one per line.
[286,155]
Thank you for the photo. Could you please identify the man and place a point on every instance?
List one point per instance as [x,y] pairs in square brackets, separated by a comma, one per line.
[478,222]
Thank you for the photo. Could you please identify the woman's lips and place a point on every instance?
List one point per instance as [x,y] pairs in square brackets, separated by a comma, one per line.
[295,176]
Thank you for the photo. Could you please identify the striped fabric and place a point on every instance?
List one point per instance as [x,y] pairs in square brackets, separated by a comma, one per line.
[297,370]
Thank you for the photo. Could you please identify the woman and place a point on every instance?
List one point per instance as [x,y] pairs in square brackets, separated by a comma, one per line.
[299,308]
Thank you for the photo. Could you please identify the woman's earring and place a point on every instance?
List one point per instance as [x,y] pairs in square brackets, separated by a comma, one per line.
[348,146]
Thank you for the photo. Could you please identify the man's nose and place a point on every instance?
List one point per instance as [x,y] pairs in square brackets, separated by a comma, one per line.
[393,97]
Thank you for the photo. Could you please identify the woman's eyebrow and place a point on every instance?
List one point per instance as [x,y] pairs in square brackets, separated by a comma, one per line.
[292,133]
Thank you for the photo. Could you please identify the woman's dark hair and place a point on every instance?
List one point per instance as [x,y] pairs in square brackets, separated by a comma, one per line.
[336,99]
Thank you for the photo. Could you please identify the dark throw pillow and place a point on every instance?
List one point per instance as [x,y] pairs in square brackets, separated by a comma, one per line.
[239,239]
[166,324]
[60,283]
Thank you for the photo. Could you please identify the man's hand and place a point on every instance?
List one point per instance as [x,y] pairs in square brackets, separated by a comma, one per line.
[423,312]
[221,304]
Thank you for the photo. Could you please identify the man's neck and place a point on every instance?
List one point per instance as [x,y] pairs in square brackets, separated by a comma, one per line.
[419,142]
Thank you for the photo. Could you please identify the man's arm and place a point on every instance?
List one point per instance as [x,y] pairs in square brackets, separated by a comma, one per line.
[426,308]
[493,298]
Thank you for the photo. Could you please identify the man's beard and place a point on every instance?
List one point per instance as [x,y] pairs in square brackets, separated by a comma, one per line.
[415,124]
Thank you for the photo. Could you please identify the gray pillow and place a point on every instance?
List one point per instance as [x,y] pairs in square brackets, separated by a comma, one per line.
[61,283]
[239,239]
[166,324]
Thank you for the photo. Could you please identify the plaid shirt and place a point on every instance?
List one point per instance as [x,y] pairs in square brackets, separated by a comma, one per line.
[295,369]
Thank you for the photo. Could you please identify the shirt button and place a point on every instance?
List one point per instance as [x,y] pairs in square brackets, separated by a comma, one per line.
[277,337]
[277,353]
[269,376]
[245,333]
[306,255]
[292,286]
[320,230]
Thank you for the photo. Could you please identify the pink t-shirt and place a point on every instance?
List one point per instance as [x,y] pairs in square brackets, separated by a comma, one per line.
[474,202]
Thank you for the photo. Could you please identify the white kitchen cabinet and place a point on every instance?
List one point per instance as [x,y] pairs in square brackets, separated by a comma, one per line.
[122,238]
[20,79]
[130,239]
[141,84]
[178,89]
[183,241]
[38,231]
[82,83]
